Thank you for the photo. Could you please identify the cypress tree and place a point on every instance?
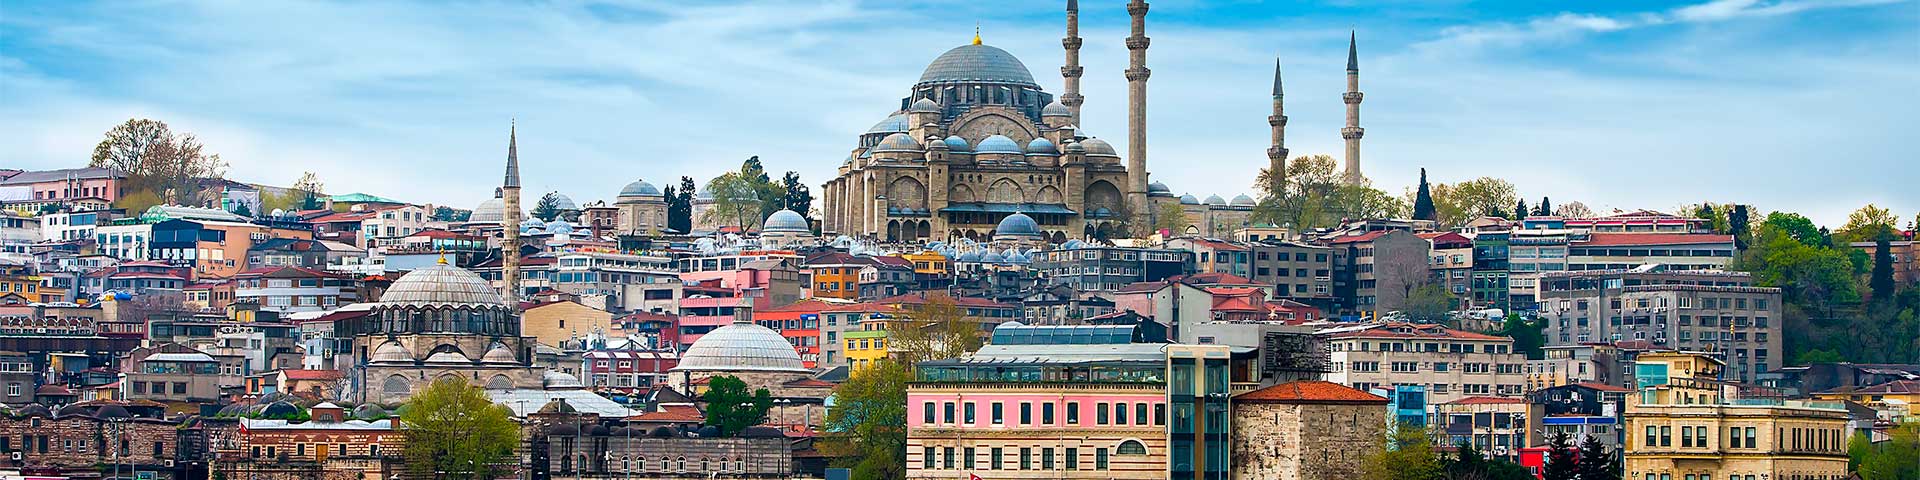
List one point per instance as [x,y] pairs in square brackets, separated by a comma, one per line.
[1520,210]
[1423,201]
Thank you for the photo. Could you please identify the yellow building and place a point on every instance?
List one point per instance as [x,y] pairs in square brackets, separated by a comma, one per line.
[864,347]
[18,282]
[1686,424]
[928,263]
[551,322]
[1894,400]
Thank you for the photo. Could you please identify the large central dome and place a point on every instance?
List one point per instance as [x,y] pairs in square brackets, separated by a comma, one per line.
[441,285]
[977,64]
[741,347]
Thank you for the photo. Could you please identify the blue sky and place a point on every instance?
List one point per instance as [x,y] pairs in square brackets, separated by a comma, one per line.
[1798,105]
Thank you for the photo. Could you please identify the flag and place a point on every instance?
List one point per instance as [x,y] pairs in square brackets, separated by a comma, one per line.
[973,477]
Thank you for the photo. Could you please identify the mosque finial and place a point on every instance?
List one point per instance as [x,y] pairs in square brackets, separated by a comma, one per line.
[443,256]
[976,33]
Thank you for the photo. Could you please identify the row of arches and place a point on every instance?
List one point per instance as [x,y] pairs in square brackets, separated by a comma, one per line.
[909,193]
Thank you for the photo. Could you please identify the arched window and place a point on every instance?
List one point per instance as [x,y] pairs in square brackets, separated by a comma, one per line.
[1132,447]
[396,386]
[683,464]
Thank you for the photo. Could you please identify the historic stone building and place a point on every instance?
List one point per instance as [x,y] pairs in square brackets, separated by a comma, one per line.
[1305,430]
[642,209]
[437,322]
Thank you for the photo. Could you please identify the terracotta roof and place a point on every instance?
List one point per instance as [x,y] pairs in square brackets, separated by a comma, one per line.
[1603,387]
[1364,237]
[1631,239]
[1487,401]
[1310,391]
[671,414]
[1216,244]
[1216,278]
[1896,387]
[313,374]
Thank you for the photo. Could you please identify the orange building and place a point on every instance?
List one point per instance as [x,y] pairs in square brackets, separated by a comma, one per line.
[835,275]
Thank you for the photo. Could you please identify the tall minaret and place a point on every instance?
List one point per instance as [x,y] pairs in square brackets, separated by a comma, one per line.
[1137,74]
[1277,154]
[1353,132]
[1071,71]
[510,219]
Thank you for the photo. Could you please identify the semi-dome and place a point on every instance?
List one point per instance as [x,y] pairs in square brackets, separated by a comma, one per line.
[640,188]
[440,285]
[448,357]
[1098,147]
[892,124]
[1188,199]
[997,144]
[957,144]
[1017,225]
[391,352]
[1042,146]
[977,64]
[924,105]
[785,221]
[898,142]
[499,354]
[1215,200]
[1243,201]
[742,346]
[1056,109]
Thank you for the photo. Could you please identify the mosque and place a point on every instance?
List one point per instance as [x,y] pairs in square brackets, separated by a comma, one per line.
[977,140]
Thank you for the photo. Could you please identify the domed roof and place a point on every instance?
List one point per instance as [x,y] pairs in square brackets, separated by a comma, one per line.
[1056,109]
[1098,147]
[562,202]
[741,347]
[392,352]
[957,144]
[924,105]
[1243,201]
[557,405]
[499,354]
[1017,225]
[553,379]
[898,142]
[761,432]
[560,225]
[1157,187]
[893,123]
[1188,199]
[369,412]
[997,144]
[439,285]
[993,258]
[448,357]
[786,221]
[640,188]
[969,257]
[493,210]
[1042,146]
[1215,200]
[533,222]
[977,64]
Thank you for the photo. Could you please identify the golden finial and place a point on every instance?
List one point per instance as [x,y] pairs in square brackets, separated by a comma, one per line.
[976,33]
[443,256]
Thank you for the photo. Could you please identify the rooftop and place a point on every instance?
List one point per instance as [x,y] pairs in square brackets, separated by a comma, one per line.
[1310,391]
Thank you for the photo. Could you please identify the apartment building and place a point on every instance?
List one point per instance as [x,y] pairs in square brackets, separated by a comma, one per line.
[1452,364]
[1094,268]
[1722,436]
[1684,310]
[1374,270]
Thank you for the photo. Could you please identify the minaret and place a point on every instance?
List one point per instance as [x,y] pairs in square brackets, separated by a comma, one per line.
[1137,74]
[1277,154]
[1071,71]
[510,219]
[1353,132]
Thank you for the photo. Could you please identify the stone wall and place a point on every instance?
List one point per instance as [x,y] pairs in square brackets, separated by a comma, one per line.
[79,443]
[1274,441]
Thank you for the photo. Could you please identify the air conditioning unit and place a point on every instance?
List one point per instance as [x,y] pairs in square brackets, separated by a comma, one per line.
[169,463]
[18,456]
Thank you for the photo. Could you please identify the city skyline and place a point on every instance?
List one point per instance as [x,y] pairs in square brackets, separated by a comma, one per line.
[605,94]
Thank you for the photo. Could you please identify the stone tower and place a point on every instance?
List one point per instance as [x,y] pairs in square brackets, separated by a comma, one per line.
[1072,70]
[1137,74]
[510,219]
[1277,154]
[1353,132]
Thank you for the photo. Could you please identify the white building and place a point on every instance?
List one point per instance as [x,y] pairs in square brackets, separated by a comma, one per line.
[1451,364]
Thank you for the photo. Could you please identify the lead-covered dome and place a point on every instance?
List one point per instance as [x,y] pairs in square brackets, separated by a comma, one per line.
[1056,109]
[741,347]
[1017,225]
[894,123]
[898,142]
[640,188]
[1243,200]
[785,220]
[441,285]
[997,144]
[977,64]
[1099,148]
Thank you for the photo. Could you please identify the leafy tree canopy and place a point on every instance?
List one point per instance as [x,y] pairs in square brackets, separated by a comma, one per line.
[454,431]
[731,408]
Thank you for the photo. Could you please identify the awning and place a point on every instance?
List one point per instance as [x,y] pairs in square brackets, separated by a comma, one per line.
[1027,208]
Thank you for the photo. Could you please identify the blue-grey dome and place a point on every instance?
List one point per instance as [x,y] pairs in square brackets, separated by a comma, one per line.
[997,144]
[640,188]
[1056,109]
[1157,187]
[785,221]
[898,142]
[1215,200]
[893,123]
[993,258]
[977,64]
[1243,201]
[1017,225]
[924,105]
[1098,147]
[1042,146]
[1188,199]
[1072,244]
[562,202]
[957,144]
[969,257]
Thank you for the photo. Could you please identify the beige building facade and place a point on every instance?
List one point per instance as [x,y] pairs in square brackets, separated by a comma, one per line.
[1452,364]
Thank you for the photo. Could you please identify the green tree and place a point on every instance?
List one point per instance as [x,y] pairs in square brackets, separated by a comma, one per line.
[1814,356]
[1423,200]
[1742,231]
[547,208]
[680,206]
[735,202]
[1544,208]
[156,159]
[1881,282]
[1561,458]
[797,196]
[731,408]
[1459,203]
[1405,454]
[1573,210]
[242,210]
[935,329]
[771,196]
[453,431]
[450,214]
[1897,458]
[1528,336]
[1429,303]
[866,428]
[1172,219]
[1796,226]
[1867,222]
[306,192]
[1519,209]
[1596,461]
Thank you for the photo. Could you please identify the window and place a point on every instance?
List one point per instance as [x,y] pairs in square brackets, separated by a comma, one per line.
[1132,447]
[1073,413]
[1666,436]
[1073,458]
[1026,458]
[1652,439]
[1140,413]
[1026,413]
[994,461]
[1119,414]
[927,458]
[926,412]
[966,458]
[1046,458]
[1100,459]
[1046,413]
[948,417]
[1686,439]
[946,459]
[1100,413]
[999,413]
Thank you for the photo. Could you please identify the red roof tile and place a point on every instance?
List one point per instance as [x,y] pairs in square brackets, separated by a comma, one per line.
[1364,237]
[1632,239]
[1310,391]
[671,414]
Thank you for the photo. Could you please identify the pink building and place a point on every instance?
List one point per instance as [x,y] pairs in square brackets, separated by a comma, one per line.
[713,298]
[64,184]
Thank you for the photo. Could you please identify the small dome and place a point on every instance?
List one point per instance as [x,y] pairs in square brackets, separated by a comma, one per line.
[493,211]
[661,432]
[562,202]
[1073,147]
[977,64]
[1157,187]
[392,352]
[448,358]
[895,123]
[640,188]
[1188,199]
[998,144]
[533,222]
[924,105]
[898,142]
[741,347]
[280,410]
[1056,109]
[1243,201]
[957,144]
[369,412]
[786,221]
[499,354]
[969,257]
[1215,200]
[35,410]
[993,258]
[1017,225]
[553,379]
[1072,244]
[560,226]
[1098,147]
[441,284]
[562,430]
[112,411]
[1042,146]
